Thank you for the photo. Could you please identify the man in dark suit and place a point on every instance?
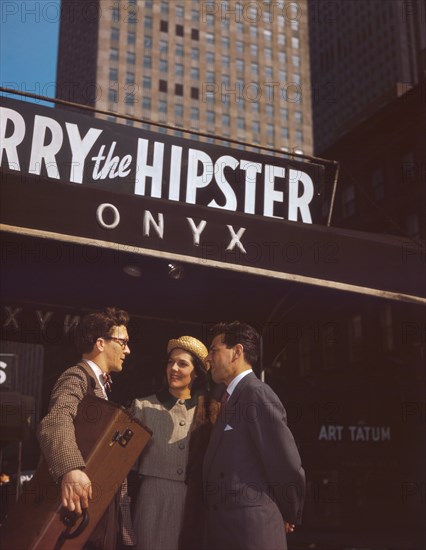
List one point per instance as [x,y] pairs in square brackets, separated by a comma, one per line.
[103,339]
[253,479]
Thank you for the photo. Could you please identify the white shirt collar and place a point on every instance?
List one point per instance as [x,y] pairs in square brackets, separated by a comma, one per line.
[97,371]
[235,381]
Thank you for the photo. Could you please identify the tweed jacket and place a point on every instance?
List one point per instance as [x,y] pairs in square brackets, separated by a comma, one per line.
[56,430]
[166,454]
[252,473]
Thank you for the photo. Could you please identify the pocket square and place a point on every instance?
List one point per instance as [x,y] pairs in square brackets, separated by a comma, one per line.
[227,428]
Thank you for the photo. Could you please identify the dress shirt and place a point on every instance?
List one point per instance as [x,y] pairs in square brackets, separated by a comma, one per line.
[99,375]
[235,381]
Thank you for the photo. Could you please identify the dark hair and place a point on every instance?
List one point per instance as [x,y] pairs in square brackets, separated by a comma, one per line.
[97,324]
[199,368]
[240,333]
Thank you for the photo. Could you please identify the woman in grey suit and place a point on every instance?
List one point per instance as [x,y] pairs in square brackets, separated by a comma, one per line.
[171,415]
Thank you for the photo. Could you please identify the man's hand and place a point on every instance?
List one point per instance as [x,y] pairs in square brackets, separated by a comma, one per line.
[76,491]
[289,527]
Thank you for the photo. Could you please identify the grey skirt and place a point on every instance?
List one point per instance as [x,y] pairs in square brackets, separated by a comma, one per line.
[159,513]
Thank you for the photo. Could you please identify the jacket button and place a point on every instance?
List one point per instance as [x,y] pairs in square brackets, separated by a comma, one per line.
[182,423]
[181,445]
[180,471]
[181,401]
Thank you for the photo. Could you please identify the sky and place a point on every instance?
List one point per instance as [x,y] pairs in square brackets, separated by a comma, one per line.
[29,31]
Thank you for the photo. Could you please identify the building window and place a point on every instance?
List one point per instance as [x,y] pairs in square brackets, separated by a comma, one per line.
[329,346]
[164,47]
[254,50]
[210,117]
[255,127]
[195,93]
[355,338]
[164,8]
[113,54]
[225,61]
[178,110]
[115,15]
[241,123]
[239,46]
[162,106]
[147,61]
[130,78]
[226,120]
[164,26]
[195,73]
[180,11]
[210,77]
[178,89]
[239,64]
[112,95]
[348,199]
[179,69]
[164,65]
[268,54]
[281,58]
[210,58]
[195,113]
[129,98]
[115,34]
[285,133]
[408,168]
[209,38]
[299,136]
[195,15]
[298,117]
[113,74]
[146,103]
[195,34]
[268,73]
[148,22]
[378,183]
[147,42]
[294,42]
[179,50]
[295,60]
[284,113]
[179,30]
[146,82]
[387,328]
[195,54]
[163,86]
[412,225]
[269,109]
[131,57]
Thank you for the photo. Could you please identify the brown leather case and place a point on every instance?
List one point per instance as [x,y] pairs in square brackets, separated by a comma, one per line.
[110,440]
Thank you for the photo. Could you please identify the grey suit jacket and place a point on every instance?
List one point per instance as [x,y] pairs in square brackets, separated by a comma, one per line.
[252,473]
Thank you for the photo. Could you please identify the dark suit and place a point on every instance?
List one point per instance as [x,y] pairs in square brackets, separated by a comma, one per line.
[252,474]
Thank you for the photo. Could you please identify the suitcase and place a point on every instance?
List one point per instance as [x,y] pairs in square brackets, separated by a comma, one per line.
[110,440]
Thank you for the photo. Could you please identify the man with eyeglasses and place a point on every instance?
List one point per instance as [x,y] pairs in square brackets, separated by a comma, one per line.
[103,341]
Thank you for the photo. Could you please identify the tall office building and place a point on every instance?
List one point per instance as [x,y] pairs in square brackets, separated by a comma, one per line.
[364,54]
[234,69]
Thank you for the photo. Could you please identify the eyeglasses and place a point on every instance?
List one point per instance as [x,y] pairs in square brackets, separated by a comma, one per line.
[122,341]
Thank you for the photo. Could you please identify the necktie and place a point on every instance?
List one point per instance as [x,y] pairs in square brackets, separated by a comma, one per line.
[107,381]
[224,398]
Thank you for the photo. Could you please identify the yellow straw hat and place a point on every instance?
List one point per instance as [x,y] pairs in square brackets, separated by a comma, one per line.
[188,343]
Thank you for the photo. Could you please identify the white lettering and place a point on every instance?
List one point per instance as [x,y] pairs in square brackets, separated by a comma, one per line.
[100,213]
[80,149]
[296,202]
[196,231]
[43,319]
[47,152]
[271,195]
[144,170]
[175,164]
[231,199]
[235,241]
[251,169]
[195,181]
[148,221]
[10,144]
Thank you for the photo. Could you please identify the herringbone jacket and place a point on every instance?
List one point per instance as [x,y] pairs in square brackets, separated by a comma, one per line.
[56,432]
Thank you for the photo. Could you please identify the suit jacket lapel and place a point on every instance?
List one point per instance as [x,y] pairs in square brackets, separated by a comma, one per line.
[221,422]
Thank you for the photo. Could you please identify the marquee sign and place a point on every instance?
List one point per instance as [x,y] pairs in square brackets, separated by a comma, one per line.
[89,152]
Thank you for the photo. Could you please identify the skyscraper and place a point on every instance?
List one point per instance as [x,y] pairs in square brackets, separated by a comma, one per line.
[233,69]
[364,54]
